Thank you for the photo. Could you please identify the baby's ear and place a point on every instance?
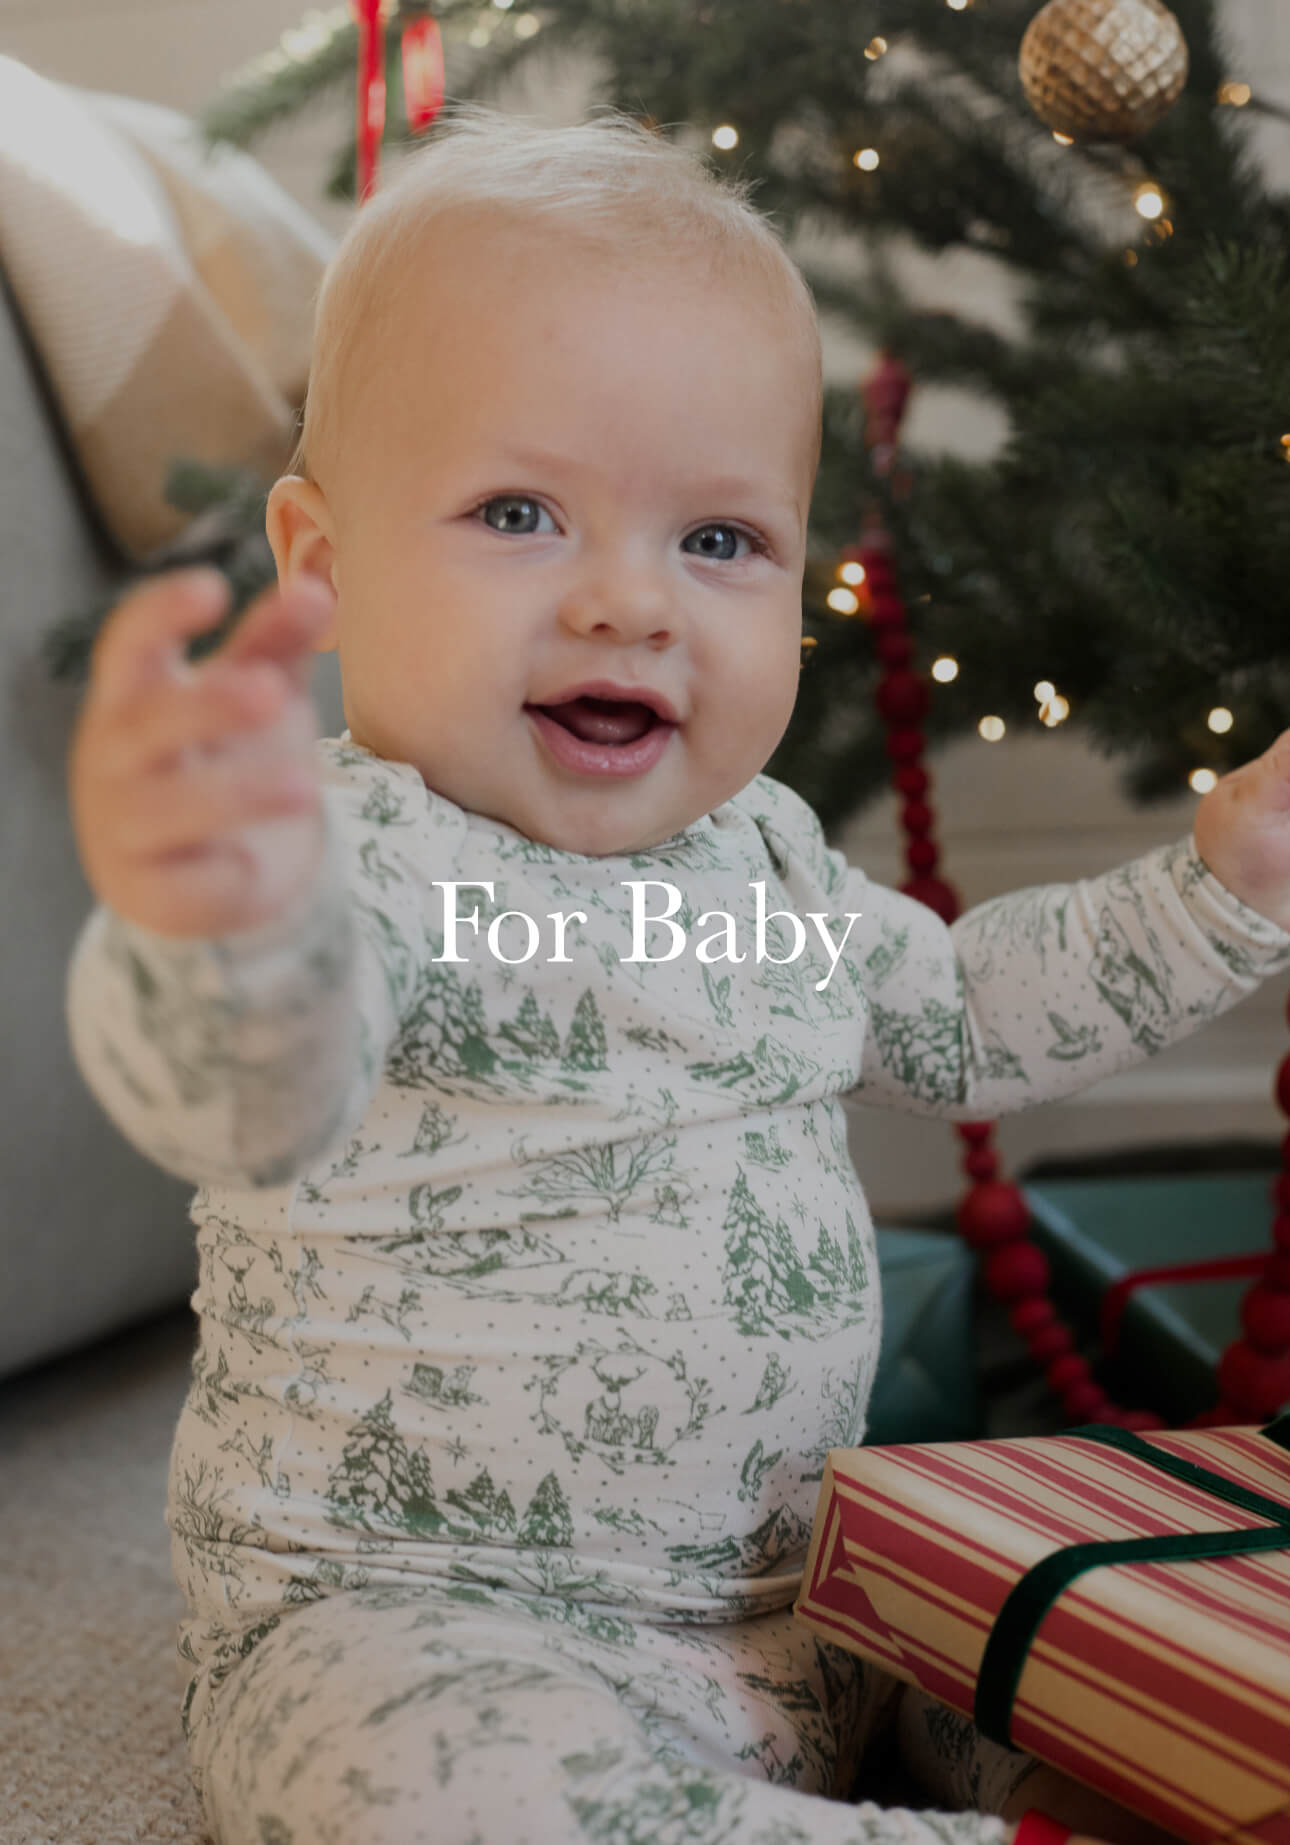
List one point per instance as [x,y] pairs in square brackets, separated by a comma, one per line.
[299,527]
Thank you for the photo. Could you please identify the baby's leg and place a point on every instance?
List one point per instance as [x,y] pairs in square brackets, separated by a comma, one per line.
[391,1717]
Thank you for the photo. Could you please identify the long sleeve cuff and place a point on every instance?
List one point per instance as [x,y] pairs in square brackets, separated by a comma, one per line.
[228,1061]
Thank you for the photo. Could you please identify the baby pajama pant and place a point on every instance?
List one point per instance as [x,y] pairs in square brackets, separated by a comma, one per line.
[461,1715]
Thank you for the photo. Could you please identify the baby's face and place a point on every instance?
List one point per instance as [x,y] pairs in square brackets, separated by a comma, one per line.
[570,484]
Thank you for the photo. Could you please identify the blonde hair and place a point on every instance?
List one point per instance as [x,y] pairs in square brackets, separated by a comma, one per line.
[609,181]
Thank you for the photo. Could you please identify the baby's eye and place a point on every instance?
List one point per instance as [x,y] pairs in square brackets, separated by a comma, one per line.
[719,541]
[513,512]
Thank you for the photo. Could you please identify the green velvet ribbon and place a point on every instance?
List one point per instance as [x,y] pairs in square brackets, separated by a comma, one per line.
[1030,1599]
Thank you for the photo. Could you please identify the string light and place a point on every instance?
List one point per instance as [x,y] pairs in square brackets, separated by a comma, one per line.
[1054,711]
[1148,200]
[527,25]
[991,728]
[945,669]
[1285,446]
[1044,691]
[503,6]
[956,6]
[875,48]
[725,136]
[1063,140]
[1200,781]
[854,573]
[843,601]
[1236,95]
[866,159]
[1220,720]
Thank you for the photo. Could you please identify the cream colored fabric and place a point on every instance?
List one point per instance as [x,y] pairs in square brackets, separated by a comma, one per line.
[167,289]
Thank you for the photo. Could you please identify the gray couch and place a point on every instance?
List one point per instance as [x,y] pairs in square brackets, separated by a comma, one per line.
[92,1237]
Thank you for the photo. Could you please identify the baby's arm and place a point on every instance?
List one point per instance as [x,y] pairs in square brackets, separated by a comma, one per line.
[1040,993]
[231,1000]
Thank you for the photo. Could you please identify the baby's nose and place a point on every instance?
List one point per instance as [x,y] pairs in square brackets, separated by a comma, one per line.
[633,601]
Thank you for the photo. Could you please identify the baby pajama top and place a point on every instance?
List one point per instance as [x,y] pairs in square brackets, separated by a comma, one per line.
[555,1277]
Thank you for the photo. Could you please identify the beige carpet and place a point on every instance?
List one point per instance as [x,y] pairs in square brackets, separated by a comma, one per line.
[91,1751]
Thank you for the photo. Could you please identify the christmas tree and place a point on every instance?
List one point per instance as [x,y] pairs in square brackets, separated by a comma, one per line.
[1127,550]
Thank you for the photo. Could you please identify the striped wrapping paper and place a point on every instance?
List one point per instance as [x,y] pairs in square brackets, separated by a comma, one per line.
[1166,1685]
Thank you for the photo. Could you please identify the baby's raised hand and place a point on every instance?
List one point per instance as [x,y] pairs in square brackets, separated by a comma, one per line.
[1242,830]
[194,787]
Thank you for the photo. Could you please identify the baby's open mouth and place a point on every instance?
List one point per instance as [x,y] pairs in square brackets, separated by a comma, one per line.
[603,720]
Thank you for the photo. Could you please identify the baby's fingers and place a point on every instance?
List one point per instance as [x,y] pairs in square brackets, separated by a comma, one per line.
[283,626]
[185,813]
[145,637]
[154,733]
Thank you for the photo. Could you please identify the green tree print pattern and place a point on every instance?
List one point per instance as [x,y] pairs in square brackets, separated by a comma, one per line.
[557,1281]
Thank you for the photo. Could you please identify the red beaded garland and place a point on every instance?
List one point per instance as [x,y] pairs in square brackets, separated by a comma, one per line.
[1015,1270]
[1066,1372]
[1265,1315]
[1255,1384]
[1049,1342]
[1086,1403]
[992,1216]
[893,648]
[992,1212]
[904,743]
[1032,1316]
[940,897]
[902,698]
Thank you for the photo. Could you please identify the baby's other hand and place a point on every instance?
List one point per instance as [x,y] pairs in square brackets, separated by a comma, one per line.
[1242,830]
[195,791]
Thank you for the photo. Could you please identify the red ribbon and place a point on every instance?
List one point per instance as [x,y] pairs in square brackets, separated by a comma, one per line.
[1215,1268]
[422,72]
[371,92]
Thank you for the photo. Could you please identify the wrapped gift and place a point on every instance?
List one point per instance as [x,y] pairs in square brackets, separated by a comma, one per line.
[1119,1606]
[1158,1266]
[926,1385]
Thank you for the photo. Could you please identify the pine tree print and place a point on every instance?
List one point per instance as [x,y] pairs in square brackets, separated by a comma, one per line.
[547,1520]
[487,1513]
[840,1275]
[445,1033]
[381,1484]
[586,1047]
[924,1050]
[763,1275]
[532,1031]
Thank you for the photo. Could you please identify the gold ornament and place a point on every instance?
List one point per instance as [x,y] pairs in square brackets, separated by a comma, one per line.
[1103,70]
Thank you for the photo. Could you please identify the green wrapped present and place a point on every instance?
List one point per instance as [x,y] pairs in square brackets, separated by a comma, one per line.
[1166,1337]
[926,1385]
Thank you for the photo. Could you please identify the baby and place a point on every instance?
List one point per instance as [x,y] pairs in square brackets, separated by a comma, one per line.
[536,1280]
